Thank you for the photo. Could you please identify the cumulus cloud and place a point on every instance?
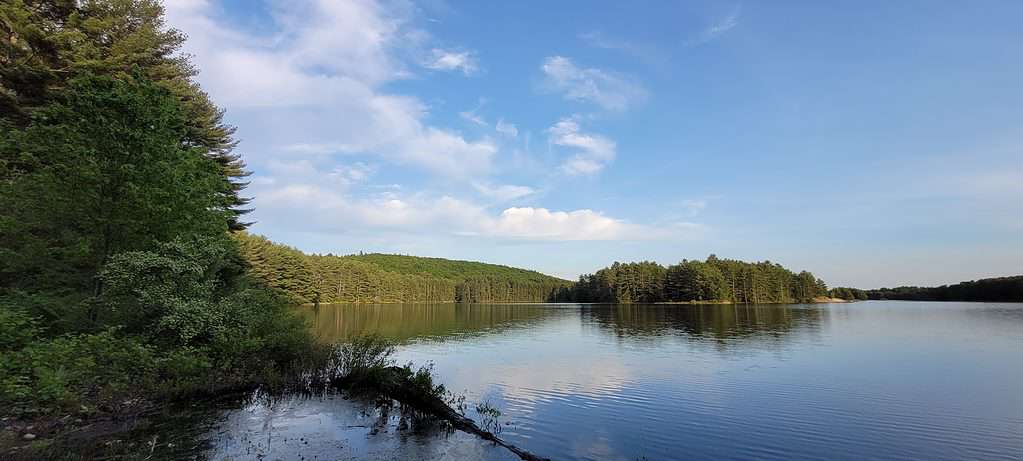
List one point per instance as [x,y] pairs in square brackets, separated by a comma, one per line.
[605,89]
[592,151]
[447,60]
[543,224]
[314,85]
[322,208]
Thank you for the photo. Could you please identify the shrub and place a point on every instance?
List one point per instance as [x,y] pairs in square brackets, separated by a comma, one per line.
[363,359]
[17,329]
[66,371]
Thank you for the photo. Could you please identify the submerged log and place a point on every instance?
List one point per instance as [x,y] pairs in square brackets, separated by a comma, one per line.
[395,384]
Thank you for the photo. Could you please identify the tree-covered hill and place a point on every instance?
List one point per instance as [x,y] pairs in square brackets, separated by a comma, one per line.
[1004,289]
[381,278]
[448,268]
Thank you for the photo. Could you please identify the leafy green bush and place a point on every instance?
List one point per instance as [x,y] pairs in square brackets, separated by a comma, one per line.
[363,359]
[17,329]
[69,370]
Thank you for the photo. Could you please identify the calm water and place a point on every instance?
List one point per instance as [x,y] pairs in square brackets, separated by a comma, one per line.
[877,380]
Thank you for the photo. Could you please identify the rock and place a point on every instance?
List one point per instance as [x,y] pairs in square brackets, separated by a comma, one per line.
[28,436]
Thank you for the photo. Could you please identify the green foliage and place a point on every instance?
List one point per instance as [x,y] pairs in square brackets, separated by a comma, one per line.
[118,186]
[47,44]
[849,294]
[420,380]
[17,328]
[103,171]
[65,372]
[713,280]
[178,292]
[363,359]
[377,278]
[999,289]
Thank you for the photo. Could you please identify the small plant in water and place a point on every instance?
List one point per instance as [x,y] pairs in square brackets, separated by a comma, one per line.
[489,415]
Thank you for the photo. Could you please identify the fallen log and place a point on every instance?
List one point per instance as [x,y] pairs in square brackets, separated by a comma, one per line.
[394,383]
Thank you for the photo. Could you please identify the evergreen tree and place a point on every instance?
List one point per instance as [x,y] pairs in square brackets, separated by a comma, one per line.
[48,43]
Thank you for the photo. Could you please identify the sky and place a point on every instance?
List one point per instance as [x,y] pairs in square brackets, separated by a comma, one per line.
[872,143]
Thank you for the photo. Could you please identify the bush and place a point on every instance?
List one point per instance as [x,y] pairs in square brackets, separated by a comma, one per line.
[17,329]
[67,371]
[363,359]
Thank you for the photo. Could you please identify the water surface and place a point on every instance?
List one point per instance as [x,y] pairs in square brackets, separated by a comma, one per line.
[878,380]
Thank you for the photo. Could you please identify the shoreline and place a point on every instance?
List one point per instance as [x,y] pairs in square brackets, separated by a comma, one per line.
[816,300]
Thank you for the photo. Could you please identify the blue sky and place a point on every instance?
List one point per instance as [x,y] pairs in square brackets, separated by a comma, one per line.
[873,143]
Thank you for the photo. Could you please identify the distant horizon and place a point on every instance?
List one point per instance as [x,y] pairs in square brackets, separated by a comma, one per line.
[875,144]
[663,263]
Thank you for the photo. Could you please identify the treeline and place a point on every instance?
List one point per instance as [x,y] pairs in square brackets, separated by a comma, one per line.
[848,294]
[379,278]
[713,280]
[119,283]
[1000,289]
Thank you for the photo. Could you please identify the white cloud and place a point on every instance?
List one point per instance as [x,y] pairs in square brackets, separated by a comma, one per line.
[323,208]
[463,61]
[314,85]
[605,89]
[543,224]
[506,128]
[592,151]
[354,173]
[471,116]
[717,29]
[503,192]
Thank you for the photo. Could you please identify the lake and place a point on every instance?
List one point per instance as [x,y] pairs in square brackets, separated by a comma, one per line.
[877,379]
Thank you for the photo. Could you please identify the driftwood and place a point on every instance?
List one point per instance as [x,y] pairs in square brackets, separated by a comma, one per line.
[395,385]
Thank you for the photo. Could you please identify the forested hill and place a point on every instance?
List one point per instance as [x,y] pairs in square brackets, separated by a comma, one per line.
[381,278]
[1004,289]
[448,268]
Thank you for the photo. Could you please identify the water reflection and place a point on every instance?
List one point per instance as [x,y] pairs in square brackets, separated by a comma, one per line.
[884,380]
[403,322]
[724,324]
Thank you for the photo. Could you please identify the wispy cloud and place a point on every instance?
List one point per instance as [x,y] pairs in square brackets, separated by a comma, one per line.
[447,60]
[603,88]
[506,128]
[472,117]
[504,192]
[717,28]
[592,151]
[644,52]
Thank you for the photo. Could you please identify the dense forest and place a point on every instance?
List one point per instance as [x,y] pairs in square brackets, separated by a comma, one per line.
[1004,289]
[713,280]
[119,188]
[381,278]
